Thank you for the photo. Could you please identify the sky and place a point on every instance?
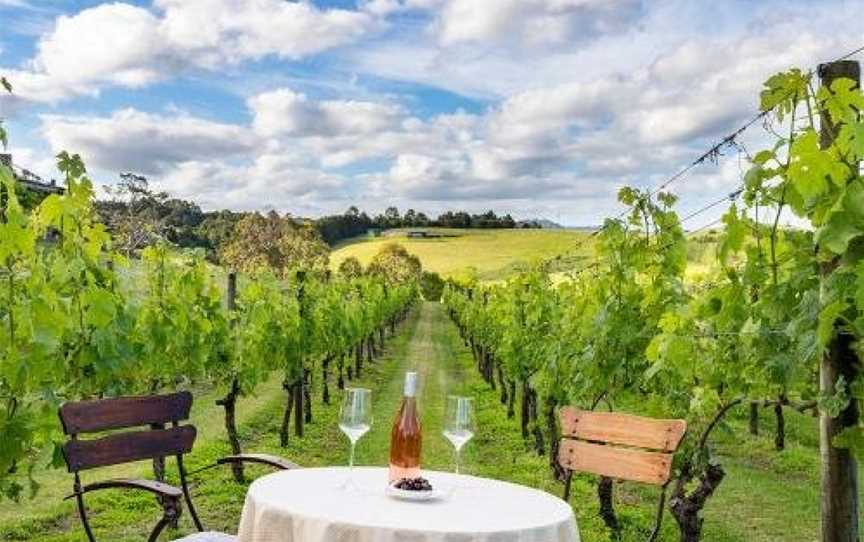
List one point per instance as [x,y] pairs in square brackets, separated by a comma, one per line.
[539,108]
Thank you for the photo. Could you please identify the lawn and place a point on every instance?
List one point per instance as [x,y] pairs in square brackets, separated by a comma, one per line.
[767,495]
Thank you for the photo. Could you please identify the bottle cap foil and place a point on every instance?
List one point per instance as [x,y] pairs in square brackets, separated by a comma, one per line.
[410,384]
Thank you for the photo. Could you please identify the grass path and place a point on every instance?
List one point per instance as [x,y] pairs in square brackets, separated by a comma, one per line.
[767,497]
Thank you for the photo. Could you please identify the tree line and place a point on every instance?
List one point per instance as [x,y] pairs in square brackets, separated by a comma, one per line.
[138,216]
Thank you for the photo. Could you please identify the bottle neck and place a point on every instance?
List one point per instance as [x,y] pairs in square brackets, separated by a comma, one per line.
[410,385]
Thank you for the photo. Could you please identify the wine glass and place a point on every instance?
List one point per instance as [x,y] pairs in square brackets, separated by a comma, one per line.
[459,424]
[355,418]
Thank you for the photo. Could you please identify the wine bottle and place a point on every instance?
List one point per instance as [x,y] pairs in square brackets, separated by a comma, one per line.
[406,437]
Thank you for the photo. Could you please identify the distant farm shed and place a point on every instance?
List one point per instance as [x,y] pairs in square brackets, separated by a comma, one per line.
[423,234]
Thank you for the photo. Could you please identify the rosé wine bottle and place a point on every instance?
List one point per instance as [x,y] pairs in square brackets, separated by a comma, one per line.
[406,438]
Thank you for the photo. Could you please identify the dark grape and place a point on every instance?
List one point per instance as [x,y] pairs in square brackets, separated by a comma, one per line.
[413,484]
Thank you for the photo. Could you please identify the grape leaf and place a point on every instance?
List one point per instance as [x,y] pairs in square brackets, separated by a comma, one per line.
[782,91]
[826,323]
[843,101]
[850,438]
[811,168]
[839,230]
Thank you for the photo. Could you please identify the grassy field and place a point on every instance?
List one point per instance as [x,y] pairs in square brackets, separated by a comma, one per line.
[494,254]
[768,496]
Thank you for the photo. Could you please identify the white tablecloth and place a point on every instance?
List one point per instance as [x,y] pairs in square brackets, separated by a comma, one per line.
[310,505]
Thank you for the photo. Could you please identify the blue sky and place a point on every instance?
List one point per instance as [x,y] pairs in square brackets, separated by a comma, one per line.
[541,108]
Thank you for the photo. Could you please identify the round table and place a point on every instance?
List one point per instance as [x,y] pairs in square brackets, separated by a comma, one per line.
[313,505]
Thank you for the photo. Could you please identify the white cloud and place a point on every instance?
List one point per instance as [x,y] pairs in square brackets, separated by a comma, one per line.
[583,96]
[130,140]
[532,22]
[270,181]
[216,31]
[285,112]
[126,45]
[117,43]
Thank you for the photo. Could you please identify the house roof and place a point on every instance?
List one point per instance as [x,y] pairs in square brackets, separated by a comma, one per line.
[40,185]
[30,180]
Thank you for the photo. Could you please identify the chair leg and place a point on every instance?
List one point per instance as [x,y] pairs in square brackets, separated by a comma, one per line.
[171,513]
[82,510]
[658,520]
[185,486]
[567,482]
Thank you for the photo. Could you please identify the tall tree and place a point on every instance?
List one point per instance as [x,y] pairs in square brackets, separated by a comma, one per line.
[395,264]
[276,243]
[350,268]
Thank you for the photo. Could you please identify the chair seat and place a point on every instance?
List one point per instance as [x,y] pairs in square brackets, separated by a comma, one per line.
[209,536]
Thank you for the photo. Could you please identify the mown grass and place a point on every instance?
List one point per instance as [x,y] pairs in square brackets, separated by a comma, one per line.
[768,496]
[494,254]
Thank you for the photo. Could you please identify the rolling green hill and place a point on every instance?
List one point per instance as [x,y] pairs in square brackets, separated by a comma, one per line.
[494,254]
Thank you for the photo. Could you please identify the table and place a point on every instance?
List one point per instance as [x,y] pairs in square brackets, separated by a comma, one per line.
[312,505]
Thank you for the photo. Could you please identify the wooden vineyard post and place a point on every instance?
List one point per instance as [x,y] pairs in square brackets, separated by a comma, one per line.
[229,402]
[839,467]
[299,407]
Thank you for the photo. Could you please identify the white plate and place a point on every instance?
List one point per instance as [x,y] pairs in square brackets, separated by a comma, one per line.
[406,495]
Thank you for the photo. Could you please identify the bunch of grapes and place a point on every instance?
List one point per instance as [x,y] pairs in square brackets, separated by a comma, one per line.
[413,484]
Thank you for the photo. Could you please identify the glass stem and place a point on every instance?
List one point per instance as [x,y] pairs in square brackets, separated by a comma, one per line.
[457,460]
[351,460]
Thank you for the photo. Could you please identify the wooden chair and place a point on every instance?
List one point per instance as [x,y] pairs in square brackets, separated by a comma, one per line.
[159,435]
[620,446]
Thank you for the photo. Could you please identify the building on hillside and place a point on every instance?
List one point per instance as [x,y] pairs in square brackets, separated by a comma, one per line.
[423,234]
[29,180]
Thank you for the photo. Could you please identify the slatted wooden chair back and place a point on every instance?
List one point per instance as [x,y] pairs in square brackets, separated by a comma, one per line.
[131,429]
[151,415]
[620,446]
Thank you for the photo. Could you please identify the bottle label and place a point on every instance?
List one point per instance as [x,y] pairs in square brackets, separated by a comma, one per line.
[410,384]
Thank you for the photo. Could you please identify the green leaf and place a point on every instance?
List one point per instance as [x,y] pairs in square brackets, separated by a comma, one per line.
[764,156]
[853,199]
[845,221]
[836,402]
[71,165]
[828,316]
[6,84]
[844,100]
[850,438]
[100,307]
[850,139]
[859,287]
[840,228]
[782,91]
[811,168]
[736,233]
[856,389]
